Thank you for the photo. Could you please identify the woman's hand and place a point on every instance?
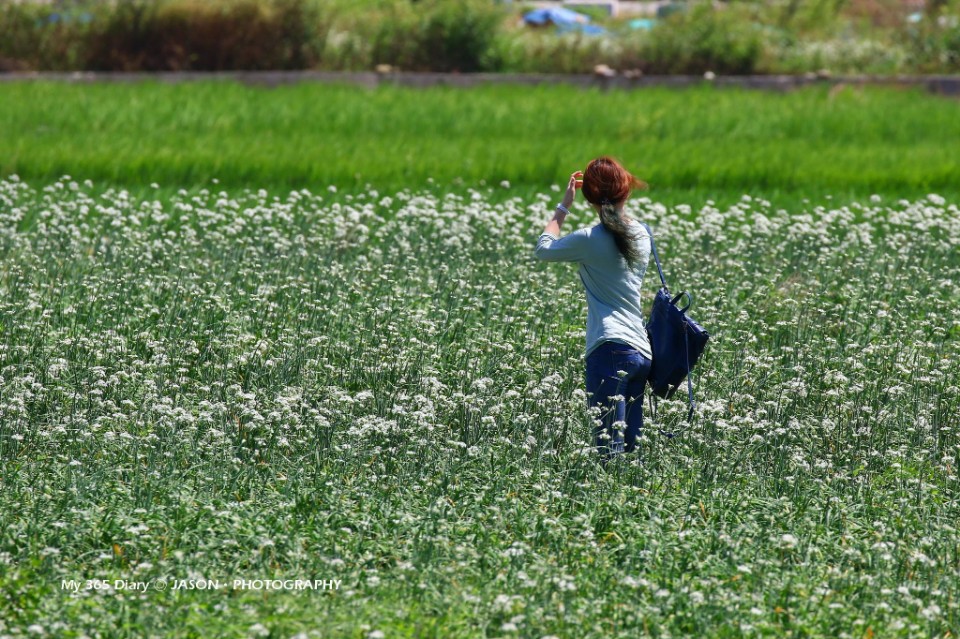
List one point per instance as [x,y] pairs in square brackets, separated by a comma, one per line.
[575,183]
[553,226]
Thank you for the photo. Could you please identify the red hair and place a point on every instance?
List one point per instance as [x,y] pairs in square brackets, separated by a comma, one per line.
[606,179]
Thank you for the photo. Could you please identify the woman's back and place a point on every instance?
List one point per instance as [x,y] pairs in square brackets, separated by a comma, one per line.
[614,308]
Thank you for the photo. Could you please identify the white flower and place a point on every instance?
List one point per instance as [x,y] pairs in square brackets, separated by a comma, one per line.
[259,630]
[931,612]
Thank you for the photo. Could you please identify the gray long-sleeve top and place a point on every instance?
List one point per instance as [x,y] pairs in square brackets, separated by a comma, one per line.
[614,310]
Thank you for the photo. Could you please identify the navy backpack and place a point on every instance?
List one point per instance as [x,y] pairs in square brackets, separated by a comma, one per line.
[676,339]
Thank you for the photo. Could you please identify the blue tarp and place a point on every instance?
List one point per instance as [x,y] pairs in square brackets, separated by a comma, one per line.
[558,16]
[564,19]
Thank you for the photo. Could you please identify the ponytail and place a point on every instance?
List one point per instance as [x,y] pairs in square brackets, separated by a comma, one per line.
[607,184]
[618,227]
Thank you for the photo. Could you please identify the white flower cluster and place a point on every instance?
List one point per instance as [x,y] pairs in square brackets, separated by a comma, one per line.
[389,386]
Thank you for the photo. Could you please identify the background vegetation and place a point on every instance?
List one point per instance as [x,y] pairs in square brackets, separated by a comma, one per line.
[703,142]
[840,36]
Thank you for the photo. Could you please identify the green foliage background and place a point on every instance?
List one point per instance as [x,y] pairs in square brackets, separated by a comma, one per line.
[707,140]
[852,36]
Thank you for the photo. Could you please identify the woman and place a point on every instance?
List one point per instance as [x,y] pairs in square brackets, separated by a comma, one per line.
[613,257]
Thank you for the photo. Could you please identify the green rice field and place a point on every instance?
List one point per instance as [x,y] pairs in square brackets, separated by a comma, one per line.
[281,363]
[706,140]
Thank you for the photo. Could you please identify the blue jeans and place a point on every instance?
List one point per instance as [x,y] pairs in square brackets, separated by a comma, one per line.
[603,364]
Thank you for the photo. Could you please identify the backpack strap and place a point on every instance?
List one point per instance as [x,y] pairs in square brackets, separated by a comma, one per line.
[653,248]
[693,404]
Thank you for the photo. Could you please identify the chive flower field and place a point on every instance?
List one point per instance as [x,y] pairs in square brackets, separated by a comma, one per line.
[384,389]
